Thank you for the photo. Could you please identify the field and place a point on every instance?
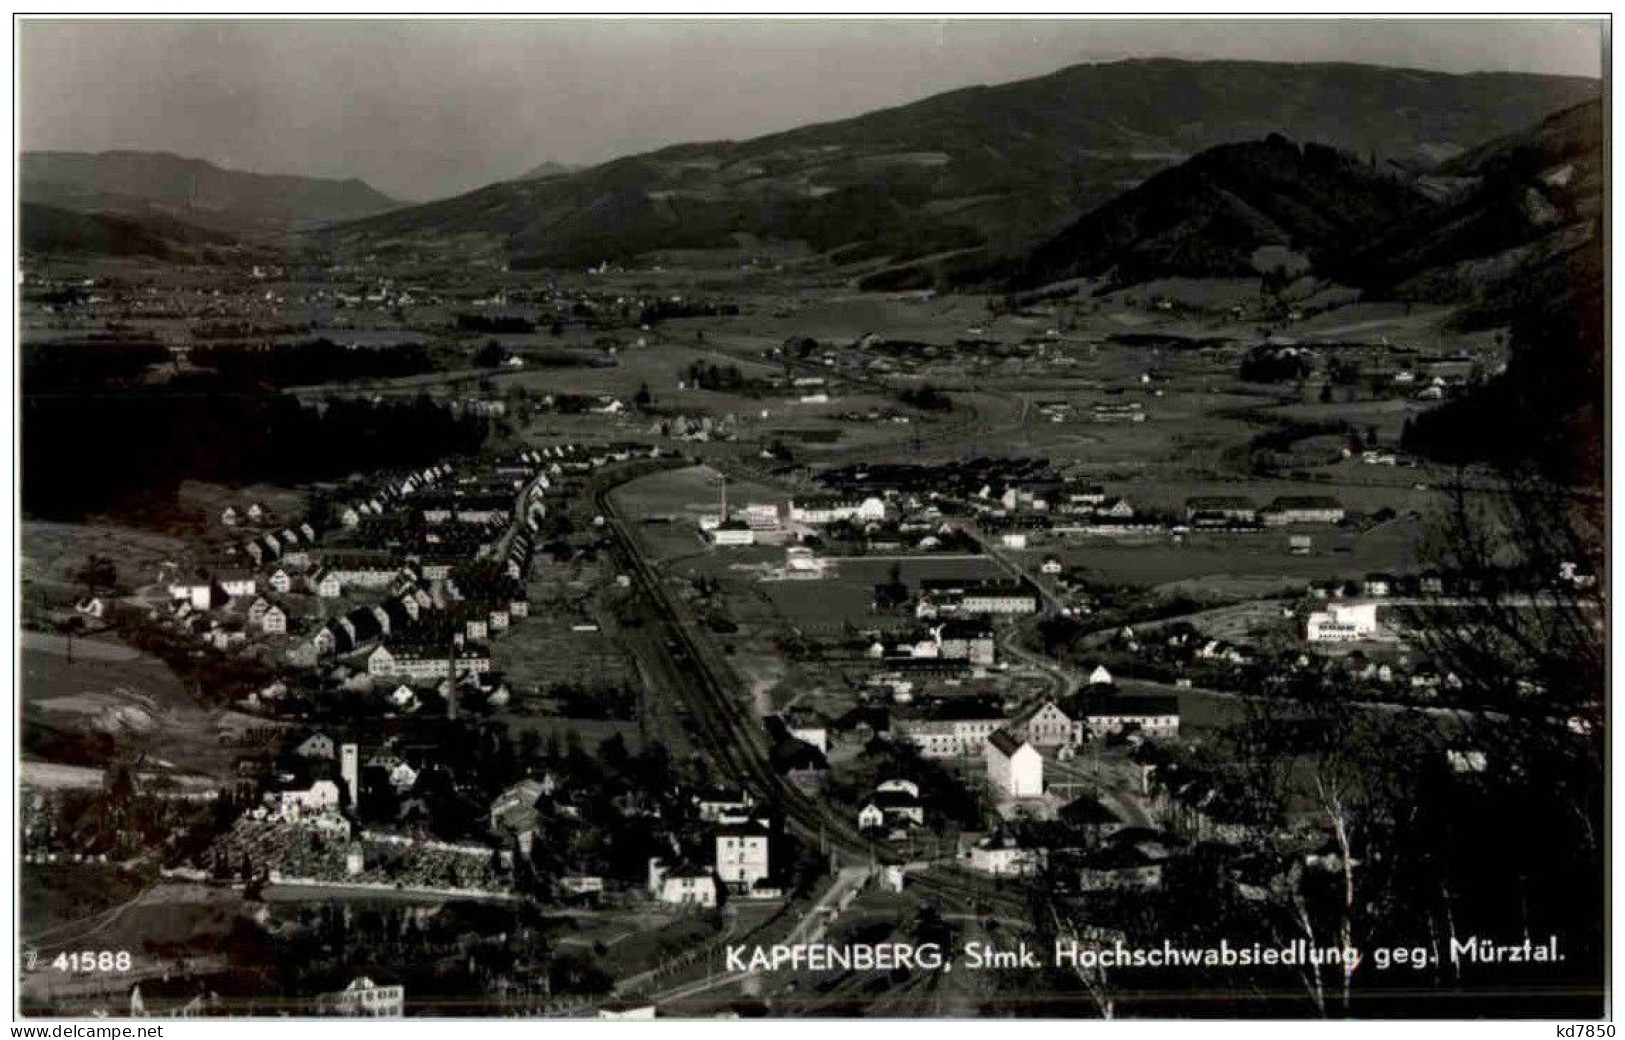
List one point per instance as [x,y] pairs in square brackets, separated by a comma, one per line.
[108,691]
[1228,564]
[54,553]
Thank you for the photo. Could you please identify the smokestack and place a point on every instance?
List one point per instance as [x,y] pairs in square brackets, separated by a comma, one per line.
[350,772]
[451,681]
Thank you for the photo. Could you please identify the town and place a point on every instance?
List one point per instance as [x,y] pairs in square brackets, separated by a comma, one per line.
[412,627]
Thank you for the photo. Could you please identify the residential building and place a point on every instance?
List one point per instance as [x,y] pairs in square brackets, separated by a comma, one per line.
[1304,509]
[743,855]
[681,885]
[1015,769]
[951,729]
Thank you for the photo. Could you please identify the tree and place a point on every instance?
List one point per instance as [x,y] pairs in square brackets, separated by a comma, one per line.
[491,355]
[643,398]
[98,573]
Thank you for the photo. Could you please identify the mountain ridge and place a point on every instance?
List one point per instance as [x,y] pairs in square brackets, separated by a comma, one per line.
[994,168]
[137,184]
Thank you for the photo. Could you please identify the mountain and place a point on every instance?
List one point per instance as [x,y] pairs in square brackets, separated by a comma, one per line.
[1211,216]
[1521,244]
[546,169]
[49,230]
[1523,217]
[984,170]
[145,184]
[1500,220]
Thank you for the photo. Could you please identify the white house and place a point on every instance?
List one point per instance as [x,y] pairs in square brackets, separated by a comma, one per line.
[1014,767]
[274,621]
[687,887]
[894,805]
[381,662]
[1000,856]
[742,854]
[732,532]
[326,584]
[319,797]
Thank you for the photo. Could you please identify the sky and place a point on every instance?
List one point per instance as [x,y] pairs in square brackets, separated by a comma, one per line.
[429,108]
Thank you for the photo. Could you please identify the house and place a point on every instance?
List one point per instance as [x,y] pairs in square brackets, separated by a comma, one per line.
[325,641]
[1080,498]
[238,582]
[202,594]
[317,745]
[326,584]
[1000,855]
[976,596]
[1015,769]
[1100,676]
[1051,565]
[1155,715]
[364,998]
[1044,725]
[1117,509]
[257,512]
[1217,510]
[950,729]
[1120,868]
[296,803]
[228,516]
[724,806]
[681,885]
[742,855]
[809,728]
[381,662]
[274,621]
[1304,509]
[281,580]
[404,697]
[965,639]
[514,814]
[891,809]
[1091,816]
[402,777]
[732,532]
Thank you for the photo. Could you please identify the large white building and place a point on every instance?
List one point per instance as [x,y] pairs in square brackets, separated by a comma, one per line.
[951,731]
[1342,623]
[1015,769]
[827,509]
[743,857]
[1153,715]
